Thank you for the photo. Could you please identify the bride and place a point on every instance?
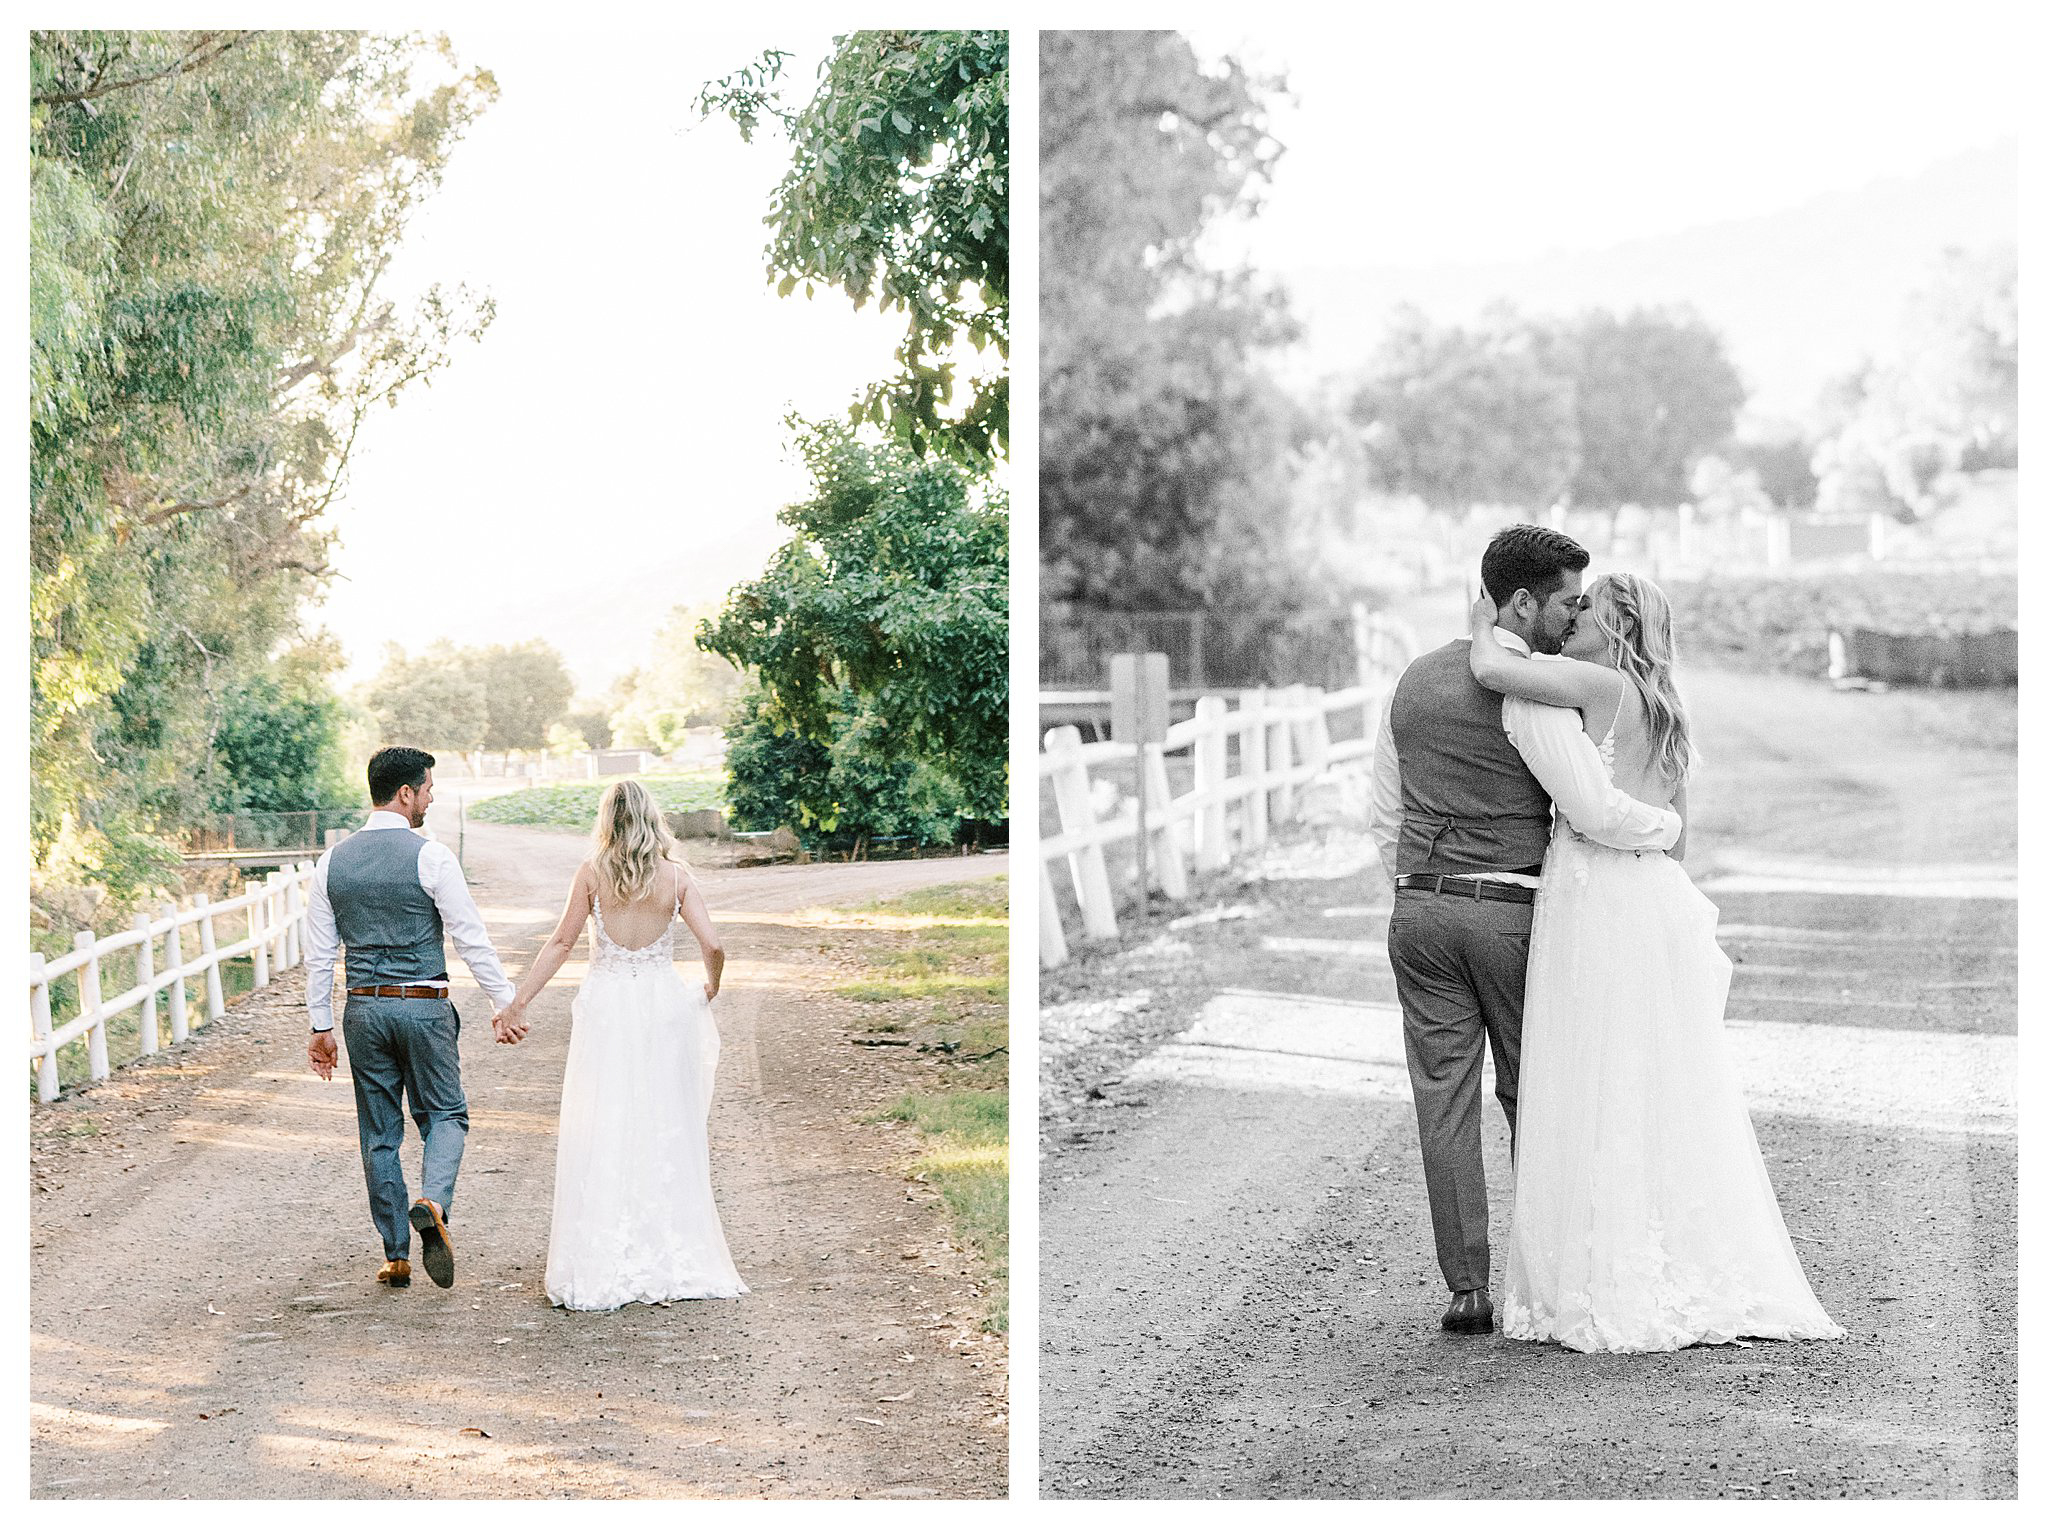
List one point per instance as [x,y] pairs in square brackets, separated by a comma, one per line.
[634,1220]
[1644,1218]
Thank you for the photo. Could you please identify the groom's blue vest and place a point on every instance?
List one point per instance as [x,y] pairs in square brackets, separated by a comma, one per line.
[387,921]
[1468,803]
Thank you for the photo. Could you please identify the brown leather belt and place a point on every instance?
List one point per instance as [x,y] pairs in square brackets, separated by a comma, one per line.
[1469,887]
[408,992]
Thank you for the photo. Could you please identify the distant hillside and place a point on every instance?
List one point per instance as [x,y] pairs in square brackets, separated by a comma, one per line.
[1800,295]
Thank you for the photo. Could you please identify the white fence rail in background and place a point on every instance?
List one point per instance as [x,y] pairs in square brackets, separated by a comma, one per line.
[274,911]
[1283,742]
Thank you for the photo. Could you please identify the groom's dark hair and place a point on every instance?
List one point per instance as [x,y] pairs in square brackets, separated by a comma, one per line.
[1532,558]
[395,767]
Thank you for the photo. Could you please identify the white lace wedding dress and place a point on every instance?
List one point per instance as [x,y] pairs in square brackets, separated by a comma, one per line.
[1643,1216]
[634,1220]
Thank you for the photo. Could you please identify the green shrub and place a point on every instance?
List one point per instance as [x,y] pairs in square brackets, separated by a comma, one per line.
[574,804]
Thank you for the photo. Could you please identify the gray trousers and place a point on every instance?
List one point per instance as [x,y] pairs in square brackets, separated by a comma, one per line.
[1458,966]
[403,1053]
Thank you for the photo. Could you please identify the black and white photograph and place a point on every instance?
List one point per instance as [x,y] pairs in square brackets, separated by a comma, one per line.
[1527,750]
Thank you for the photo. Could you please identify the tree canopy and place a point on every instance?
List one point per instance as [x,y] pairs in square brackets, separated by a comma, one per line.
[1161,436]
[882,626]
[211,214]
[500,697]
[898,190]
[1598,410]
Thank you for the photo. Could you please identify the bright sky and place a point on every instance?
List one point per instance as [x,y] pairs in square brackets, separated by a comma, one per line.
[614,445]
[1478,133]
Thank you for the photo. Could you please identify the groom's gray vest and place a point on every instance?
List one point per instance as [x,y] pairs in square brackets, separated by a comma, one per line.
[385,918]
[1468,802]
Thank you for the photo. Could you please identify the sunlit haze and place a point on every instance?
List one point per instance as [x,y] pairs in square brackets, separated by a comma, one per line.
[614,445]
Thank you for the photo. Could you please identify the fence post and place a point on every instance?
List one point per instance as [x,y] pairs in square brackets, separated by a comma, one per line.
[1281,758]
[216,1005]
[174,958]
[1254,747]
[89,1003]
[1171,861]
[1318,731]
[1212,766]
[273,919]
[145,978]
[1052,940]
[259,948]
[294,914]
[1077,815]
[39,1012]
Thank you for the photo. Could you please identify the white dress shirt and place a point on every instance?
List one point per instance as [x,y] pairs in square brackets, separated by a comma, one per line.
[442,879]
[1552,742]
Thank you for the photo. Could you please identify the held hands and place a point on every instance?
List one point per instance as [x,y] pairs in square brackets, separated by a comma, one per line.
[509,1024]
[322,1053]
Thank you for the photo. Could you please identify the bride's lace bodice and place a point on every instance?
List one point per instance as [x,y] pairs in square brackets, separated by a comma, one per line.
[607,955]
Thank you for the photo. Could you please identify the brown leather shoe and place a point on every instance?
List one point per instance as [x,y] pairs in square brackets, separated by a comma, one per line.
[436,1252]
[396,1272]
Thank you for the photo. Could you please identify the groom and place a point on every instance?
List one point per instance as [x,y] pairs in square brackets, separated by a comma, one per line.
[390,895]
[1461,814]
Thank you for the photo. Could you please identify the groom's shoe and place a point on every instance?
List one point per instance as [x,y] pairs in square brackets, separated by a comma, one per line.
[396,1272]
[1469,1312]
[436,1252]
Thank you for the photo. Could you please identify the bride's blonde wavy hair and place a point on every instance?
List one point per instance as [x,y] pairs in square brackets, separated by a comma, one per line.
[1636,618]
[630,842]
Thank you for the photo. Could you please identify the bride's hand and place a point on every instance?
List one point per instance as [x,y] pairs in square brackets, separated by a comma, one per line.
[1484,612]
[710,992]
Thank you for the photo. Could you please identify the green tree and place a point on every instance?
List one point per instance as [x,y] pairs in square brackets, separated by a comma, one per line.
[432,700]
[682,686]
[882,626]
[210,215]
[526,688]
[898,190]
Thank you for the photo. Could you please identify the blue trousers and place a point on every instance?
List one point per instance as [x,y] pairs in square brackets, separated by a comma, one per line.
[403,1056]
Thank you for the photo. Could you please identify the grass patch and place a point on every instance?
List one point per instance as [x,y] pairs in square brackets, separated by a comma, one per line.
[573,805]
[937,974]
[966,1159]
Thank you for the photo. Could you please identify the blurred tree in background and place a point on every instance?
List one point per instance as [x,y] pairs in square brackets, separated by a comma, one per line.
[1162,440]
[1905,432]
[501,697]
[1598,411]
[210,215]
[682,686]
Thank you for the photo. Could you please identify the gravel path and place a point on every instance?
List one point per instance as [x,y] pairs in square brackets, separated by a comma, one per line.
[204,1320]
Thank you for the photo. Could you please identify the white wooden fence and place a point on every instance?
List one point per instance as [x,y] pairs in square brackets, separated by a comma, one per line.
[274,912]
[1283,743]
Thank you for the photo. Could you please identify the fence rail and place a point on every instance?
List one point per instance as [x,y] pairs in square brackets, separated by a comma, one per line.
[275,916]
[1282,741]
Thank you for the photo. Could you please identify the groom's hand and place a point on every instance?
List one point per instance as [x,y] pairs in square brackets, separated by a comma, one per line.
[321,1053]
[509,1027]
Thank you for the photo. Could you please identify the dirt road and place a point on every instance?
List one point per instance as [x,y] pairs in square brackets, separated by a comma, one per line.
[1238,1288]
[204,1320]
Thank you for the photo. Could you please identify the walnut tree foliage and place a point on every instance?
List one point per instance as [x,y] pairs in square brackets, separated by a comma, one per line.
[210,216]
[879,639]
[898,192]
